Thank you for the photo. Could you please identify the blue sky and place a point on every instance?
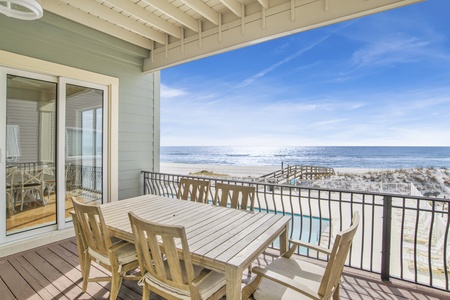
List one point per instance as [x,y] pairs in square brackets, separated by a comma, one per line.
[381,80]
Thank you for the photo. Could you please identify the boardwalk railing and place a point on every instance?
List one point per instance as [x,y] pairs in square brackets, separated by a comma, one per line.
[400,236]
[299,172]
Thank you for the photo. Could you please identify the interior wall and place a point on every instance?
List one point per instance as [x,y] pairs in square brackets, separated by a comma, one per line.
[61,41]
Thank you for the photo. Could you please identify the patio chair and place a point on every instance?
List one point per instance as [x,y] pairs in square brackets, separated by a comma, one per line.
[164,271]
[423,261]
[94,241]
[421,232]
[234,196]
[289,278]
[193,190]
[435,250]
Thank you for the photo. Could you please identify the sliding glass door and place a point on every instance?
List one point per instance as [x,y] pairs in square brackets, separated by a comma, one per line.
[30,152]
[52,137]
[84,143]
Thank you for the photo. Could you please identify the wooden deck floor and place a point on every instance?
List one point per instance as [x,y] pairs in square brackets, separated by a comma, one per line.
[53,272]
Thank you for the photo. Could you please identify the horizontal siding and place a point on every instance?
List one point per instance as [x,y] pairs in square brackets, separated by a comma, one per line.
[25,114]
[62,41]
[143,146]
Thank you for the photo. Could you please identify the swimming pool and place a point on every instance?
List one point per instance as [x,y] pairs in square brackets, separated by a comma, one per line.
[304,228]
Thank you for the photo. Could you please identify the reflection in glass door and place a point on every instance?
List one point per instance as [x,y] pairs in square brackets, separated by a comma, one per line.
[84,144]
[30,153]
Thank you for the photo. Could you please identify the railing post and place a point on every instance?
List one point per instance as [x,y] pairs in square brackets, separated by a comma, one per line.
[386,242]
[144,173]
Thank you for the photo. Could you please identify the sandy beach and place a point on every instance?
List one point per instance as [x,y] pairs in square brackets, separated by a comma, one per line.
[238,171]
[426,180]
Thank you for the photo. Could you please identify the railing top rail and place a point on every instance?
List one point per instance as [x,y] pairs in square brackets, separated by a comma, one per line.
[255,181]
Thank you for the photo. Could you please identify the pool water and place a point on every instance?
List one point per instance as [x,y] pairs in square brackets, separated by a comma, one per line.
[304,228]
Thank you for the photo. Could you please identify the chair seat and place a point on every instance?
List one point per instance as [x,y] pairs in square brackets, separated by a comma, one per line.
[301,271]
[207,288]
[125,255]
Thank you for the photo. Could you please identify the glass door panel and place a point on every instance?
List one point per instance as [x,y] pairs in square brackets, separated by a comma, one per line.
[30,153]
[84,144]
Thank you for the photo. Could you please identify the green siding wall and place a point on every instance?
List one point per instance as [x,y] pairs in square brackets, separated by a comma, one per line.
[62,41]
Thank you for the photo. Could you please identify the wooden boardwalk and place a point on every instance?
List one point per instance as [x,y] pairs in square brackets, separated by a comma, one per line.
[53,272]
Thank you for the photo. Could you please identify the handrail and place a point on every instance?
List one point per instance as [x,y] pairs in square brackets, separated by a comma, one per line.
[400,236]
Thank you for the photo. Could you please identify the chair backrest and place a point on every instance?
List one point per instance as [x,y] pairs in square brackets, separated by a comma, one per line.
[337,259]
[11,172]
[92,225]
[33,179]
[236,196]
[148,239]
[193,190]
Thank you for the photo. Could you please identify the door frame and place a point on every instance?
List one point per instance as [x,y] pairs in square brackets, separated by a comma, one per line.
[63,73]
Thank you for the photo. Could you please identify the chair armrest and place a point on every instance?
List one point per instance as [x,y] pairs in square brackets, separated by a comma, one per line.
[311,246]
[286,281]
[201,277]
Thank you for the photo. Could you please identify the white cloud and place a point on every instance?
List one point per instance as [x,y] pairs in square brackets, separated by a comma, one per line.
[258,75]
[168,92]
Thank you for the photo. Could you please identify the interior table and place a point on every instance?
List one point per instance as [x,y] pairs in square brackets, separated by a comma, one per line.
[222,239]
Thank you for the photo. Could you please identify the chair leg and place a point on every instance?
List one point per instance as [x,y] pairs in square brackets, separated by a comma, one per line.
[336,292]
[116,282]
[85,273]
[145,292]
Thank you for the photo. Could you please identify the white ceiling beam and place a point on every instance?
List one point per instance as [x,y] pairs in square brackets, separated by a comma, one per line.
[97,9]
[146,16]
[309,15]
[174,13]
[204,10]
[264,3]
[81,17]
[234,6]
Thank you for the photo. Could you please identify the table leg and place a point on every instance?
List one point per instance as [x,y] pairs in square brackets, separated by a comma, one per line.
[233,278]
[284,240]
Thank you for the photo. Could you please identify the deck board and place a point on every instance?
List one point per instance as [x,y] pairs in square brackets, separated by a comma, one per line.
[53,272]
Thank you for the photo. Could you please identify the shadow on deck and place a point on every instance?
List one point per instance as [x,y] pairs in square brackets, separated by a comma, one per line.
[53,272]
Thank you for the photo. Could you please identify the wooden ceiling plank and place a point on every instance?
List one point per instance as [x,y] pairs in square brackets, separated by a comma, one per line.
[146,16]
[97,9]
[264,3]
[174,13]
[234,6]
[204,10]
[88,20]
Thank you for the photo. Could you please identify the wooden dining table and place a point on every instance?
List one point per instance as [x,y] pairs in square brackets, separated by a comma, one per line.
[222,239]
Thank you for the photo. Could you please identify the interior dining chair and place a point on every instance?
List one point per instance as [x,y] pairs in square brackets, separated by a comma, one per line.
[234,196]
[10,190]
[95,244]
[193,190]
[49,180]
[289,278]
[166,264]
[32,187]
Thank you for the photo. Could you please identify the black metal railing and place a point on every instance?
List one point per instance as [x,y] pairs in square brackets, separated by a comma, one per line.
[85,181]
[400,236]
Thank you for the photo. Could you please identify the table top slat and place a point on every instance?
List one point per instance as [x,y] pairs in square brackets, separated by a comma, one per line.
[217,236]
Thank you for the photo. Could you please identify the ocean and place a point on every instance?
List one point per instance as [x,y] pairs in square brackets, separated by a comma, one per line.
[333,157]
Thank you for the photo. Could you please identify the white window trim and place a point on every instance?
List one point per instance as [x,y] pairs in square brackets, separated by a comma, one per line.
[72,75]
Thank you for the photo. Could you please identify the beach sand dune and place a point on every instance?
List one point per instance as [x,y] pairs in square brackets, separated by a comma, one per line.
[428,181]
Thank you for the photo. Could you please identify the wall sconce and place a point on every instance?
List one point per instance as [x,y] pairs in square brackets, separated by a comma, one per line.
[21,9]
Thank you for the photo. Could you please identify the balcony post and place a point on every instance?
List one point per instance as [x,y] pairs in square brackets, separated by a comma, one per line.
[386,242]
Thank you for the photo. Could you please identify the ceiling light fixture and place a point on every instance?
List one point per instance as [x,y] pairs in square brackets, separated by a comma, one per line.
[21,9]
